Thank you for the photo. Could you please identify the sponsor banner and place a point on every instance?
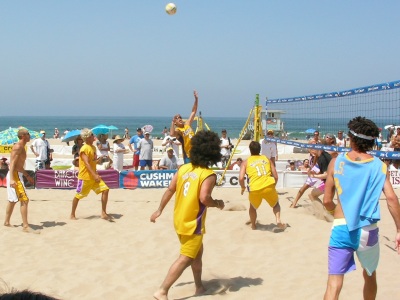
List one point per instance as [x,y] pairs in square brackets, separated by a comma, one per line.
[395,179]
[357,91]
[231,178]
[5,148]
[145,179]
[68,179]
[3,179]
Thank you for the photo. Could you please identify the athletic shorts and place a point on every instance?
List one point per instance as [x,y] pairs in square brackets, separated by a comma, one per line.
[146,162]
[268,193]
[136,160]
[18,193]
[343,243]
[321,186]
[310,181]
[190,244]
[85,186]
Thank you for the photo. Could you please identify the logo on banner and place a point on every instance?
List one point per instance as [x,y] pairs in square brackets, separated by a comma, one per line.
[159,180]
[395,178]
[130,180]
[65,178]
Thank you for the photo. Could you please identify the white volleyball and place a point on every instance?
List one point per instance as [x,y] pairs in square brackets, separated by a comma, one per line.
[170,8]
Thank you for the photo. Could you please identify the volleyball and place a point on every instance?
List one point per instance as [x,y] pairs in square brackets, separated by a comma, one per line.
[170,8]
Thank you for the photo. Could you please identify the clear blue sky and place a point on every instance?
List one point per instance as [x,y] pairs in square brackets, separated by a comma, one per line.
[129,58]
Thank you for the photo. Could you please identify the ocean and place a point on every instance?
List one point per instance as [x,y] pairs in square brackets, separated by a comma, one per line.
[232,125]
[295,127]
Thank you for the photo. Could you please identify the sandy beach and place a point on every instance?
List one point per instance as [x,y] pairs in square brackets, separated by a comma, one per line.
[127,259]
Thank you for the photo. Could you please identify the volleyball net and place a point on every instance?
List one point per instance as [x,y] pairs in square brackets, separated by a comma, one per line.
[330,113]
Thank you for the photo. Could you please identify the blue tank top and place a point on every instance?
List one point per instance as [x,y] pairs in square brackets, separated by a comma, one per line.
[359,185]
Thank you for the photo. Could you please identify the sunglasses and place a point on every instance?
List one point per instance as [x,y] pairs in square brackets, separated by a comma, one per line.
[178,117]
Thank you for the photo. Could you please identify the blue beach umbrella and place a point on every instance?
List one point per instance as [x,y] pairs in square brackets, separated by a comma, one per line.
[10,135]
[101,129]
[112,127]
[311,130]
[71,135]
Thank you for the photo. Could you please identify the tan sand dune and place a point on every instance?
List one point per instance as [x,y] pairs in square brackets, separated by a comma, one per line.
[127,259]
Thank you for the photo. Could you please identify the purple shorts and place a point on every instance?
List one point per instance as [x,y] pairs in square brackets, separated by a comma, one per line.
[343,243]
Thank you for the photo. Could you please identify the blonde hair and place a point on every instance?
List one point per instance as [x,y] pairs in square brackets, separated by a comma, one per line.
[22,132]
[85,133]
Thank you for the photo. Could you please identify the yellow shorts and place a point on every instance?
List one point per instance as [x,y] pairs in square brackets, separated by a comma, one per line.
[85,186]
[268,193]
[190,244]
[18,193]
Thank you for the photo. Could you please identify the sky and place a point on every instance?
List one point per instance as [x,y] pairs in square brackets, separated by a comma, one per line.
[130,58]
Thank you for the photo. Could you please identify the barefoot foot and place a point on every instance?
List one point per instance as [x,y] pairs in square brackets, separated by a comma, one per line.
[160,296]
[200,290]
[106,217]
[282,226]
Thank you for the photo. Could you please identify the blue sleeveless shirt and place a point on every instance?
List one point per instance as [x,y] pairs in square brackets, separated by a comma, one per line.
[359,185]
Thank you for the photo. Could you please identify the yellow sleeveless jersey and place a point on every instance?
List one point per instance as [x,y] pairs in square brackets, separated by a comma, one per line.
[189,212]
[187,134]
[258,172]
[90,152]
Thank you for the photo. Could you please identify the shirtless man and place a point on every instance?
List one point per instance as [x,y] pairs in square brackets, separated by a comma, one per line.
[15,183]
[183,130]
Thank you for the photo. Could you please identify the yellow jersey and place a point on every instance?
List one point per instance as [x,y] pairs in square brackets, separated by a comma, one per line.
[187,134]
[90,152]
[189,212]
[259,173]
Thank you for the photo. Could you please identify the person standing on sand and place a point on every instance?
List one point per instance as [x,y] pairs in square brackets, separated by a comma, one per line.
[193,184]
[88,179]
[262,178]
[15,183]
[183,130]
[359,179]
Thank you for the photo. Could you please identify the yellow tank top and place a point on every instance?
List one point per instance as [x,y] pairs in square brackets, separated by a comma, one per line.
[189,212]
[90,152]
[187,134]
[258,172]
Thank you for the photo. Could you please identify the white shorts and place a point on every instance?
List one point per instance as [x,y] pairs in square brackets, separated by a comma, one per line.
[11,192]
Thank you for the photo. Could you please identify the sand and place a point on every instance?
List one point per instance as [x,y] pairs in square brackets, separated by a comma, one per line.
[91,258]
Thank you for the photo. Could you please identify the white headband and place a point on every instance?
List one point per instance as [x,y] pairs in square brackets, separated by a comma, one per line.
[362,136]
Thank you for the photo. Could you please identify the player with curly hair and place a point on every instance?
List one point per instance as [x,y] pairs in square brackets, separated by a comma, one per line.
[358,178]
[193,185]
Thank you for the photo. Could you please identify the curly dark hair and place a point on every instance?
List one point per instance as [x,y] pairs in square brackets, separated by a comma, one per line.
[366,127]
[255,148]
[205,150]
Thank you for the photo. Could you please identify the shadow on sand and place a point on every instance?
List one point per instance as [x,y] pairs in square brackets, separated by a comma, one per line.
[221,286]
